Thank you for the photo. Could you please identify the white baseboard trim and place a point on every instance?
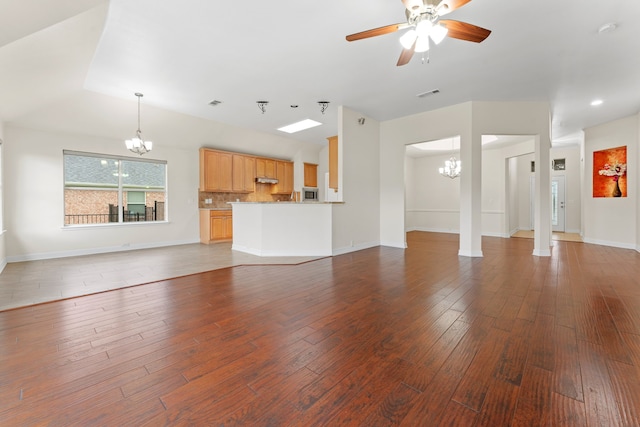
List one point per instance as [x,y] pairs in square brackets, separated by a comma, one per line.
[541,252]
[390,244]
[472,254]
[354,248]
[3,264]
[442,230]
[612,244]
[95,251]
[246,250]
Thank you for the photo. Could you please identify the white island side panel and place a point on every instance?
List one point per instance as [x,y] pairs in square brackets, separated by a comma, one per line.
[282,229]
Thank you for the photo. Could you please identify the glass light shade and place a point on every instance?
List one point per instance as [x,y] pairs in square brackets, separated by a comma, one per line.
[438,33]
[408,38]
[422,44]
[424,28]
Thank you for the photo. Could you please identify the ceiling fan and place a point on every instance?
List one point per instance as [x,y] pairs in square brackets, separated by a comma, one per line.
[423,21]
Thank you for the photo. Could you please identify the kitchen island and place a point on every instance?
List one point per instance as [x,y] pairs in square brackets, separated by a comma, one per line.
[282,228]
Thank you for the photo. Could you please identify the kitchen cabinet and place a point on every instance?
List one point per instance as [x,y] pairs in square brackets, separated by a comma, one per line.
[216,225]
[284,174]
[333,162]
[265,168]
[243,174]
[215,171]
[310,175]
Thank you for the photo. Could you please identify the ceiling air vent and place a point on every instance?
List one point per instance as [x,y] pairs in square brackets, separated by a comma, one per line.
[215,102]
[428,93]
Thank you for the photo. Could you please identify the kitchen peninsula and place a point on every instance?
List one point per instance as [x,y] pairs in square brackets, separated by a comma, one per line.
[282,228]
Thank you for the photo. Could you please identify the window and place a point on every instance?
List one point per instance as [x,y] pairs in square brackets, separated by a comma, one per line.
[101,189]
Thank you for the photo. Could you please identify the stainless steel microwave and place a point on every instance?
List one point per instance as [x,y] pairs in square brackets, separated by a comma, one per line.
[309,194]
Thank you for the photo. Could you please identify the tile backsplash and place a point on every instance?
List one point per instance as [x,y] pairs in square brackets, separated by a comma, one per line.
[262,193]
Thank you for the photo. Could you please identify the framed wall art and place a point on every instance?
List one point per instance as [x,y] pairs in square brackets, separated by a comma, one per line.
[610,172]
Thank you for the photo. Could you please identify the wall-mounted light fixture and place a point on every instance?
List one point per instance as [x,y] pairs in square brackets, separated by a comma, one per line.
[262,105]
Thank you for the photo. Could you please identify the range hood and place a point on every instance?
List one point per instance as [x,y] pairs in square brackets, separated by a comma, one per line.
[264,180]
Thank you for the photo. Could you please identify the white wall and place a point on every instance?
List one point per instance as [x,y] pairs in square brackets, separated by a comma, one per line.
[91,122]
[356,222]
[612,221]
[3,250]
[35,195]
[470,121]
[433,201]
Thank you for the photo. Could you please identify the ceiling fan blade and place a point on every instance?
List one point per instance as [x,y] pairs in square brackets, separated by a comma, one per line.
[377,31]
[448,6]
[412,5]
[406,56]
[464,31]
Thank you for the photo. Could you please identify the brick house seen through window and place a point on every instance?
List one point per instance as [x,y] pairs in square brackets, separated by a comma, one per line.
[101,189]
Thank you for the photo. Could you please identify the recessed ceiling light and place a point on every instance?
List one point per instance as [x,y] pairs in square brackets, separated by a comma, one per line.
[298,126]
[596,102]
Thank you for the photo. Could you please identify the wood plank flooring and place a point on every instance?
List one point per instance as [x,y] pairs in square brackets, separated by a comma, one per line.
[384,336]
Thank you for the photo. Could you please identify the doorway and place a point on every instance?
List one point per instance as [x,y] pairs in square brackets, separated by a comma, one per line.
[557,203]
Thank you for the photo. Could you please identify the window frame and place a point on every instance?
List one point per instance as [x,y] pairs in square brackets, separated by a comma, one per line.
[121,189]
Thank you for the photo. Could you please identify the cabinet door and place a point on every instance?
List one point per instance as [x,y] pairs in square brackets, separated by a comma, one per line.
[215,171]
[249,174]
[225,172]
[284,173]
[265,168]
[333,162]
[288,177]
[310,175]
[238,174]
[208,161]
[218,227]
[228,227]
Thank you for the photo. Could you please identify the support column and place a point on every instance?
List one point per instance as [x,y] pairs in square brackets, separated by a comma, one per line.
[471,196]
[542,214]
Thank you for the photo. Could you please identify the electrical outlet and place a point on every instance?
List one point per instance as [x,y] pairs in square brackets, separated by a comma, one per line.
[208,201]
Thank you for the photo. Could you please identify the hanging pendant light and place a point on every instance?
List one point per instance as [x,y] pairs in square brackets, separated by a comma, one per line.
[137,144]
[452,167]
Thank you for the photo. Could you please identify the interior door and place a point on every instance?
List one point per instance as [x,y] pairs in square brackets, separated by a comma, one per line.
[557,203]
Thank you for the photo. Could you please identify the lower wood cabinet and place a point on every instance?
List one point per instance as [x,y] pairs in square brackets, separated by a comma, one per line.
[216,226]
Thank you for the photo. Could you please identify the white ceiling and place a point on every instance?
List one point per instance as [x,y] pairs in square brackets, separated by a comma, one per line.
[184,54]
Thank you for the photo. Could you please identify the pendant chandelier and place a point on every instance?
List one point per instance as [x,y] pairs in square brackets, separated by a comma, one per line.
[451,168]
[137,144]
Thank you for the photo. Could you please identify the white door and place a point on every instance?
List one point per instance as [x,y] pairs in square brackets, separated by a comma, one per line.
[557,204]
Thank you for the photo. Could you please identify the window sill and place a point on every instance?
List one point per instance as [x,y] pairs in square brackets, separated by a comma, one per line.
[112,225]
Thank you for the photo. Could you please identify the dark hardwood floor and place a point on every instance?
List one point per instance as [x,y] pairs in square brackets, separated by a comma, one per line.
[384,336]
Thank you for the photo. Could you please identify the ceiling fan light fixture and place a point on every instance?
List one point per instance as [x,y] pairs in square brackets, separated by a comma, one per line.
[424,28]
[422,44]
[408,39]
[438,33]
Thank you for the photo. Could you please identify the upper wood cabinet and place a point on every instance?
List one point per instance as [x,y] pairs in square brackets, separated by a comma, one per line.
[243,174]
[284,174]
[215,171]
[333,162]
[310,175]
[265,168]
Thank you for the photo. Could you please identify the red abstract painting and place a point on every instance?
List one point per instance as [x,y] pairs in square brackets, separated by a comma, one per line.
[610,172]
